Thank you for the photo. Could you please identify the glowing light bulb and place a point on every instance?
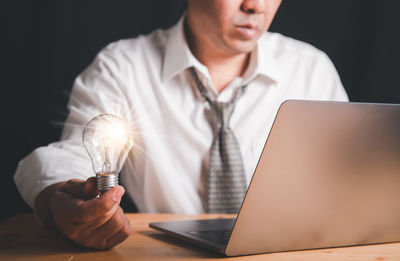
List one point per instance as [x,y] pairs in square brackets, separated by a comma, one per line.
[107,141]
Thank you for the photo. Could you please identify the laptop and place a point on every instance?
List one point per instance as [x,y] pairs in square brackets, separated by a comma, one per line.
[328,176]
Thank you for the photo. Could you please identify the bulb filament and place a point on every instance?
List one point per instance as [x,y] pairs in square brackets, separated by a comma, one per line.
[106,168]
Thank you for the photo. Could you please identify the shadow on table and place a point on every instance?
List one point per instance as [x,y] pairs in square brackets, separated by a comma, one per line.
[31,240]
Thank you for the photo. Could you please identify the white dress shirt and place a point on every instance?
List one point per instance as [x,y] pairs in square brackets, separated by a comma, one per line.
[145,80]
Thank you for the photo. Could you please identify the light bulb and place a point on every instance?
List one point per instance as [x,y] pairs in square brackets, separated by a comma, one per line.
[107,141]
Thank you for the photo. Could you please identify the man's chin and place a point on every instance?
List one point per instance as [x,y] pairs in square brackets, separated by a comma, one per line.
[241,47]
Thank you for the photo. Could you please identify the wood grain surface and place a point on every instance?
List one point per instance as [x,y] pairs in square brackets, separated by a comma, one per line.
[22,238]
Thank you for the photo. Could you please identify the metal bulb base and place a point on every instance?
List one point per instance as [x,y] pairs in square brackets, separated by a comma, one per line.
[106,181]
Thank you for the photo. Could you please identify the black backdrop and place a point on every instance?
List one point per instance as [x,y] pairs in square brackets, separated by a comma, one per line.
[45,44]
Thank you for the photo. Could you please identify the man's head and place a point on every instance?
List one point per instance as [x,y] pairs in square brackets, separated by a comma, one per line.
[230,26]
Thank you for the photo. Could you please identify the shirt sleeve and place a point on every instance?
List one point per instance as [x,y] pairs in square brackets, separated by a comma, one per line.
[99,89]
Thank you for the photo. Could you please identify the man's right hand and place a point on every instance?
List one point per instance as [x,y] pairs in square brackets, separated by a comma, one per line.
[76,212]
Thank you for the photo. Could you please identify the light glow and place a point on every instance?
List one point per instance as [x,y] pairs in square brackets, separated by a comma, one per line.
[107,141]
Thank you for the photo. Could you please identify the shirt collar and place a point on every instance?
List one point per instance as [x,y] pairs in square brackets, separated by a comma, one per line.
[178,57]
[262,62]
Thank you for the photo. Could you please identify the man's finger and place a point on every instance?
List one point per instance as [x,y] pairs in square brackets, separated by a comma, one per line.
[111,226]
[101,220]
[117,238]
[81,189]
[116,230]
[91,190]
[122,234]
[96,207]
[74,209]
[75,187]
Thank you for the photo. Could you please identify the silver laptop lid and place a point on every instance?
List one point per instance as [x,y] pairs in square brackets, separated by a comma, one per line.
[329,175]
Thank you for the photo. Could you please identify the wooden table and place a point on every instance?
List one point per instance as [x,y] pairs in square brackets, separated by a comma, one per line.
[21,238]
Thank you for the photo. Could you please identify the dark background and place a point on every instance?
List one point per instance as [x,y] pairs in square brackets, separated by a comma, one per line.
[46,44]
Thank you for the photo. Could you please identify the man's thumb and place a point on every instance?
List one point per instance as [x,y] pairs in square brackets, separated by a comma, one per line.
[108,201]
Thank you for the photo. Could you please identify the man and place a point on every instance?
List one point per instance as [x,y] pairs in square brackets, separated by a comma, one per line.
[168,86]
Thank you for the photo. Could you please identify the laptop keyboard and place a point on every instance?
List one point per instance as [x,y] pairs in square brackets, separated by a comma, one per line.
[217,236]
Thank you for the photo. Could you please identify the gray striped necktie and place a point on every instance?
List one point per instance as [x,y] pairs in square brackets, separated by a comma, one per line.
[226,180]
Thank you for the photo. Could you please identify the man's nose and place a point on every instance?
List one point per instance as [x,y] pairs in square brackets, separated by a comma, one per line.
[253,6]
